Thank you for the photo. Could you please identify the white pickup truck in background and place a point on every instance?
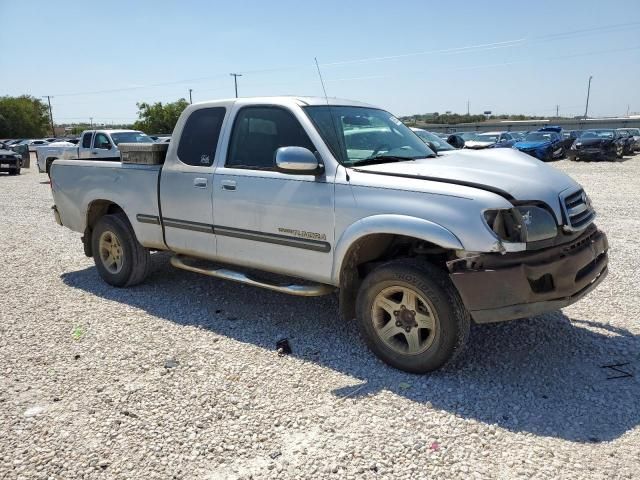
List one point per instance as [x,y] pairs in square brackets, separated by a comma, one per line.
[93,144]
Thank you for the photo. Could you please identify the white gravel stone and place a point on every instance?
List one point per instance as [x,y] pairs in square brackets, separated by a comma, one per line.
[179,377]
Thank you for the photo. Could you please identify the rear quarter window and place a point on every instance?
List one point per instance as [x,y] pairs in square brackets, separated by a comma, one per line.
[200,136]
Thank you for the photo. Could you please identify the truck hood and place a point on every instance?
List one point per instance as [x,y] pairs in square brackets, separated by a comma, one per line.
[507,172]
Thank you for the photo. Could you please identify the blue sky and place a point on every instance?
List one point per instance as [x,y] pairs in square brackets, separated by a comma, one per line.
[99,59]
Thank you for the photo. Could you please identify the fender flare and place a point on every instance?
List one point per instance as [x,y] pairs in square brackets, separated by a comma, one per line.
[395,225]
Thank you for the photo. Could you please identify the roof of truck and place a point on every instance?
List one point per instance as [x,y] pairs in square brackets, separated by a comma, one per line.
[301,100]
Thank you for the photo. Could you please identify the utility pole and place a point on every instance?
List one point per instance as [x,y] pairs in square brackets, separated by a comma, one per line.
[53,132]
[91,122]
[235,81]
[467,107]
[586,108]
[557,110]
[190,99]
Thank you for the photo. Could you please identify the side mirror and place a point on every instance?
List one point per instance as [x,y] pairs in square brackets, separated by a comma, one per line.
[433,147]
[298,160]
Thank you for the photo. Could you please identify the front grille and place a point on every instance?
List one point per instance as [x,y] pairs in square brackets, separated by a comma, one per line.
[578,210]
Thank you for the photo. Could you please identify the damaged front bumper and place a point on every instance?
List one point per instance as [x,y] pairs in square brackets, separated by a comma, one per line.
[498,287]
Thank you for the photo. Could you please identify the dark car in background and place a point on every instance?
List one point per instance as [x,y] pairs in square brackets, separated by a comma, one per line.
[435,142]
[569,137]
[630,145]
[635,133]
[598,144]
[545,145]
[10,162]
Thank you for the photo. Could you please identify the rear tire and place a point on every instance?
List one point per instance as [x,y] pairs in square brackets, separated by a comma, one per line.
[120,259]
[48,166]
[411,316]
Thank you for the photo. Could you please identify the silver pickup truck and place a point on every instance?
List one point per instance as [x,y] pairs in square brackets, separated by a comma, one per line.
[341,196]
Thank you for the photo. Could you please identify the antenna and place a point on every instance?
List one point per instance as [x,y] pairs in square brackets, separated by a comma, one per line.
[331,118]
[321,81]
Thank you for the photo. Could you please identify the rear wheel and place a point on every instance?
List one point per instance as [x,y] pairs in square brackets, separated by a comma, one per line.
[48,166]
[619,151]
[119,258]
[411,316]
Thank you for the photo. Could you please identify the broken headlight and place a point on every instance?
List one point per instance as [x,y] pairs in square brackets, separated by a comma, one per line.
[523,224]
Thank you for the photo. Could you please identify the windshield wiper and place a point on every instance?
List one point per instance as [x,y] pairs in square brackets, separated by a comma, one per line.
[382,159]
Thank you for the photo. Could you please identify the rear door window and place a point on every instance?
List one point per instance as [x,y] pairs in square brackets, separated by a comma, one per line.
[200,135]
[86,140]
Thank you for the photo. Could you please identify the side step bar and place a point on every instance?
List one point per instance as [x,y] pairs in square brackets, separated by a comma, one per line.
[312,290]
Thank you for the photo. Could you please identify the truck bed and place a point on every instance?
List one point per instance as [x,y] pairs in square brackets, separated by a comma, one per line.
[77,183]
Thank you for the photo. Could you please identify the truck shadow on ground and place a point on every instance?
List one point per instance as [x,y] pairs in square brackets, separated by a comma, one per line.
[545,375]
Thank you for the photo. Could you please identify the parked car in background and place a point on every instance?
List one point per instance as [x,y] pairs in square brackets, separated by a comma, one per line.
[95,145]
[490,140]
[457,139]
[34,144]
[344,196]
[435,143]
[635,133]
[163,139]
[570,136]
[10,162]
[630,144]
[598,144]
[544,145]
[519,135]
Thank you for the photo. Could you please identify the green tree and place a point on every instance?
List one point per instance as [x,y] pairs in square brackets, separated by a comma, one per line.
[23,117]
[159,117]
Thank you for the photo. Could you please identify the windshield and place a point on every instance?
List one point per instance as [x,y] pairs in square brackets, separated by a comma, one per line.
[598,134]
[440,144]
[131,137]
[539,137]
[355,134]
[485,138]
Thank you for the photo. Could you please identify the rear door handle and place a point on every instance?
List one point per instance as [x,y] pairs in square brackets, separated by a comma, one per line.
[228,185]
[94,153]
[200,182]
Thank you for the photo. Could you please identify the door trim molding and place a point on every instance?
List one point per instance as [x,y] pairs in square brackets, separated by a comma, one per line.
[253,235]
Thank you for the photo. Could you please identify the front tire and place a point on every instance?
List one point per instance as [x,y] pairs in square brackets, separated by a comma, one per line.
[120,260]
[411,316]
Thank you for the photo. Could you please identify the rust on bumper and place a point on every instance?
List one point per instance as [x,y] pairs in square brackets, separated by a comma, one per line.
[497,287]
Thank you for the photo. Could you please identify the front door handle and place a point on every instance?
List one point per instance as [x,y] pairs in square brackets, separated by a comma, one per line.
[200,182]
[94,153]
[228,185]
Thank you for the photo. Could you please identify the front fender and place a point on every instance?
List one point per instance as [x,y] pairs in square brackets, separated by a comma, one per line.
[395,225]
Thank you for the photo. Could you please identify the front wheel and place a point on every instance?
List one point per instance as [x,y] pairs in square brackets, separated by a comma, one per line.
[410,315]
[121,261]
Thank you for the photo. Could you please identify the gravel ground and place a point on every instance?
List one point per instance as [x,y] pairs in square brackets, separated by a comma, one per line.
[179,377]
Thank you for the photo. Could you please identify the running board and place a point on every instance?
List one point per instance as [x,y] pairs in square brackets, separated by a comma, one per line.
[312,290]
